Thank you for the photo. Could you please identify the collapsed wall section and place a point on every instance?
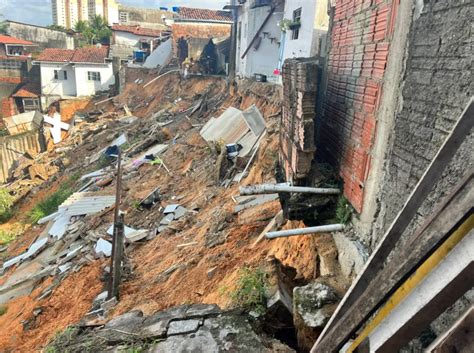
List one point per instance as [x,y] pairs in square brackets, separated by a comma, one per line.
[297,132]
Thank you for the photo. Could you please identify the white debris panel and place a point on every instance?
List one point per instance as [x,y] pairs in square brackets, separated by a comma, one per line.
[78,204]
[236,126]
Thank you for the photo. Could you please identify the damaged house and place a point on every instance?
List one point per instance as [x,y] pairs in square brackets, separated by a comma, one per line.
[146,46]
[75,73]
[203,37]
[15,67]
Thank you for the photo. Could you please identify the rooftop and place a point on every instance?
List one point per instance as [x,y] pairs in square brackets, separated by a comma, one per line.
[30,90]
[137,30]
[188,13]
[80,55]
[12,40]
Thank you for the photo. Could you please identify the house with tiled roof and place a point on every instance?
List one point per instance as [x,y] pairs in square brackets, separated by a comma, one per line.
[74,72]
[194,30]
[15,65]
[203,15]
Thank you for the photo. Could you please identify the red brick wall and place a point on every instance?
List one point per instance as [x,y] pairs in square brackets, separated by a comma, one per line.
[360,38]
[297,143]
[7,79]
[199,30]
[8,107]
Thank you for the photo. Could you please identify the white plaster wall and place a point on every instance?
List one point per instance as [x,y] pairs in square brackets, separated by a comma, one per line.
[50,86]
[314,26]
[264,60]
[88,88]
[160,56]
[301,47]
[127,39]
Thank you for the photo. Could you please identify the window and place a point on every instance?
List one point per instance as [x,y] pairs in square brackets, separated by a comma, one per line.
[123,16]
[10,65]
[30,104]
[93,76]
[60,74]
[295,32]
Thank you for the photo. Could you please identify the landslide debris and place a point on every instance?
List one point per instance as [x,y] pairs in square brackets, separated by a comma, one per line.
[187,255]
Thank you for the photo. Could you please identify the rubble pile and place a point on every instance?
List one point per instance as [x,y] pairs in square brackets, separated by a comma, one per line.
[187,233]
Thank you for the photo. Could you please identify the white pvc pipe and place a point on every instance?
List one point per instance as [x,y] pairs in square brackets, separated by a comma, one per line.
[274,188]
[301,231]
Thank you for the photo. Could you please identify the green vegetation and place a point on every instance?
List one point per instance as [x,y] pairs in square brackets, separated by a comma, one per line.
[343,210]
[51,203]
[57,28]
[250,291]
[94,31]
[7,237]
[6,204]
[61,340]
[3,309]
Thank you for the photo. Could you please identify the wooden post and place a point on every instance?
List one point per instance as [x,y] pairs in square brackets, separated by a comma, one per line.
[118,223]
[116,274]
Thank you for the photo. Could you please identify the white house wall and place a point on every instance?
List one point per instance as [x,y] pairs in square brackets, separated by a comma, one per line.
[314,26]
[264,60]
[50,86]
[88,88]
[129,39]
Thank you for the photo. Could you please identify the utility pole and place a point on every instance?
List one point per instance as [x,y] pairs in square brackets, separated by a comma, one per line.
[117,238]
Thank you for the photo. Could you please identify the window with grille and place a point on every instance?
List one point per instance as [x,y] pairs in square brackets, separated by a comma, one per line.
[123,16]
[30,104]
[295,33]
[60,74]
[10,64]
[93,76]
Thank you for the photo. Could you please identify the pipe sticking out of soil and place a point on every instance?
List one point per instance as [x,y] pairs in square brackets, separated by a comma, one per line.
[273,188]
[301,231]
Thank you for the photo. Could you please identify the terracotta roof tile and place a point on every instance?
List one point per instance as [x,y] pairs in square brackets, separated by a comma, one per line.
[12,40]
[80,55]
[91,55]
[188,13]
[30,90]
[137,30]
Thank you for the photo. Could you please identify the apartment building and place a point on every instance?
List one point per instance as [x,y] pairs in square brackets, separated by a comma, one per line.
[67,13]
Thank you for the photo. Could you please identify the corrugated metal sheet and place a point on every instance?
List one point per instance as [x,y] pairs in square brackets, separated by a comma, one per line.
[13,147]
[235,126]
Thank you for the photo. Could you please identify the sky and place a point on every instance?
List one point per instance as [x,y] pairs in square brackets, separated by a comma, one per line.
[38,12]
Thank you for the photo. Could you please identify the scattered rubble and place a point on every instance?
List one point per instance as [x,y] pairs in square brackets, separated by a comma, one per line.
[183,228]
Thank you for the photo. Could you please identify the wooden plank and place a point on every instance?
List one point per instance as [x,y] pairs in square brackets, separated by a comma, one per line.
[338,330]
[459,337]
[422,319]
[417,248]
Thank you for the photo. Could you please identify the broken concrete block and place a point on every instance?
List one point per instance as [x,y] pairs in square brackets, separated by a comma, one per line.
[184,326]
[313,306]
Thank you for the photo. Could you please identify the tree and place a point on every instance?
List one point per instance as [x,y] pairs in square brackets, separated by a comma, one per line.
[100,28]
[57,28]
[95,31]
[3,25]
[81,26]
